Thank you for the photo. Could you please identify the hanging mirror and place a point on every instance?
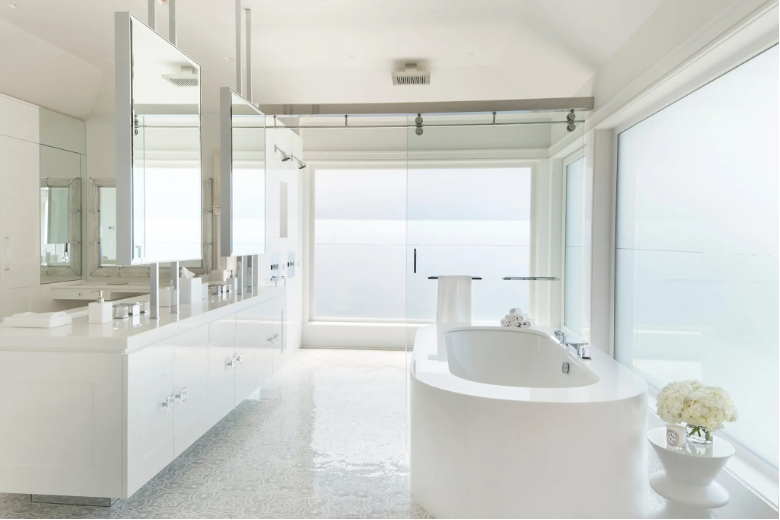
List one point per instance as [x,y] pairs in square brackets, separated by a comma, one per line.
[60,218]
[242,128]
[158,152]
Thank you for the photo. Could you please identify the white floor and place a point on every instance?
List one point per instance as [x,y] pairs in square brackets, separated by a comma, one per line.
[328,438]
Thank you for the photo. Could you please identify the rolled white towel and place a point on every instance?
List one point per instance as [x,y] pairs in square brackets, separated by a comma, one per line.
[516,310]
[526,324]
[504,323]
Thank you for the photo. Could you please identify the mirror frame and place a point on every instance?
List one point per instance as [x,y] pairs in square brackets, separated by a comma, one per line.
[93,234]
[226,168]
[123,33]
[74,230]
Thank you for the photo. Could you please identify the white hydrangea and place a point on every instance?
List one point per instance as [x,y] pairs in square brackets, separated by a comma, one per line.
[695,404]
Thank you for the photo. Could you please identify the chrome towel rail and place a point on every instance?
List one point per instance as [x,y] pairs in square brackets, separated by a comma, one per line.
[436,278]
[540,278]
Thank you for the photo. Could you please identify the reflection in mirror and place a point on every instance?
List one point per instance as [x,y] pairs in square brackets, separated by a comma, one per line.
[60,218]
[107,208]
[158,198]
[243,177]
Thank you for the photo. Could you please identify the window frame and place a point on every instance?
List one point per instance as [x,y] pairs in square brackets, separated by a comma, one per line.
[569,159]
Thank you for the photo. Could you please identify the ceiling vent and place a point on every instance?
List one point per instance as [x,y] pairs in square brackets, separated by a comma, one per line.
[188,77]
[411,76]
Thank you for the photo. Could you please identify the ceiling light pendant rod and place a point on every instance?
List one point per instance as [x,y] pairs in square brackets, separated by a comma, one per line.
[248,93]
[151,15]
[172,22]
[239,83]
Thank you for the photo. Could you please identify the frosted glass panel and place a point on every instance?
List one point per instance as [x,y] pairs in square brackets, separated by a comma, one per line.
[360,244]
[360,282]
[573,274]
[697,235]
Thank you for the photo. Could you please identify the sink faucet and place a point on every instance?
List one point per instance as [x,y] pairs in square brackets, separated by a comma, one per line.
[581,348]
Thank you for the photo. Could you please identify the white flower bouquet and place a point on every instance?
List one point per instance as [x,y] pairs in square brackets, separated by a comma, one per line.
[703,408]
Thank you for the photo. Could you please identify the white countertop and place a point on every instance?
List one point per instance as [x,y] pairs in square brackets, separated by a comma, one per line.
[132,333]
[616,382]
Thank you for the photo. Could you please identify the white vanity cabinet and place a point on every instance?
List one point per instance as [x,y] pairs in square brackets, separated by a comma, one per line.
[98,410]
[222,392]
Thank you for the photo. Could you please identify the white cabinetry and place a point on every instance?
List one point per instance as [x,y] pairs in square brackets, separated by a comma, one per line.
[150,402]
[222,393]
[190,388]
[104,418]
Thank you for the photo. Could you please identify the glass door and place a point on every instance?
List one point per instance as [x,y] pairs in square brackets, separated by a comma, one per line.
[484,199]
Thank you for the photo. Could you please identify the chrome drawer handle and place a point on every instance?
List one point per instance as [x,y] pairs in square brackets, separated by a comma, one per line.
[239,358]
[230,362]
[182,395]
[167,403]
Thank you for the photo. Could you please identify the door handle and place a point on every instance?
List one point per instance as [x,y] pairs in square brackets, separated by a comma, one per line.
[415,260]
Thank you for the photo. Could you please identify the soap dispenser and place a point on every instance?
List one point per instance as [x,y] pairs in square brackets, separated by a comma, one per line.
[100,311]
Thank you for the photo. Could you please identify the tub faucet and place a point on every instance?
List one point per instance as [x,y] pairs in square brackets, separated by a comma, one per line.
[581,348]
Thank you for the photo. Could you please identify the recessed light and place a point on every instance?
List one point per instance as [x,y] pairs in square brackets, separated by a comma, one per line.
[13,6]
[230,58]
[471,53]
[351,56]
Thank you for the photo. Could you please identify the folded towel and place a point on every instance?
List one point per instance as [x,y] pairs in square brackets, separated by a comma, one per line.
[454,299]
[516,310]
[526,323]
[504,323]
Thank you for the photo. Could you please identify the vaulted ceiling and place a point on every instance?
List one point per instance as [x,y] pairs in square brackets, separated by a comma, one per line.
[60,52]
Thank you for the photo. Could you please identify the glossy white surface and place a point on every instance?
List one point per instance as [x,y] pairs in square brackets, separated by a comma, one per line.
[483,450]
[124,336]
[110,415]
[615,382]
[688,478]
[505,358]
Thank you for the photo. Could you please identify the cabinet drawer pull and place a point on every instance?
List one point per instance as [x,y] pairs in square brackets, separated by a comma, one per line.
[230,362]
[182,395]
[240,358]
[167,403]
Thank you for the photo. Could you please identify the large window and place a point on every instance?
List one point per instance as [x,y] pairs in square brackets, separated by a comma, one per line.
[381,234]
[696,293]
[360,244]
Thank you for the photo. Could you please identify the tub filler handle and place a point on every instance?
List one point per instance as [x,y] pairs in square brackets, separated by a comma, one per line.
[581,348]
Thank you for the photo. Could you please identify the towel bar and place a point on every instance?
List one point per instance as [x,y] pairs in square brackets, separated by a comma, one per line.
[540,278]
[436,278]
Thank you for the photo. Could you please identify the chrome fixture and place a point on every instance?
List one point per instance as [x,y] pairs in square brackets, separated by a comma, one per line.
[581,348]
[436,278]
[538,278]
[285,156]
[301,164]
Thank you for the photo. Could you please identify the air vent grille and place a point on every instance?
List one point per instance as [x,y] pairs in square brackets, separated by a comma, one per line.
[184,82]
[412,76]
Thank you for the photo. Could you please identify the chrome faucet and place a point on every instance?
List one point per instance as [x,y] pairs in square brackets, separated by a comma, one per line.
[581,348]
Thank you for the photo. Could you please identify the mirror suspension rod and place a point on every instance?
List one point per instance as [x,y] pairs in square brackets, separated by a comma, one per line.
[154,291]
[248,36]
[174,287]
[151,15]
[238,48]
[172,22]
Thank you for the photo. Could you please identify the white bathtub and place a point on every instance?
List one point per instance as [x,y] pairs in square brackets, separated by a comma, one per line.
[499,431]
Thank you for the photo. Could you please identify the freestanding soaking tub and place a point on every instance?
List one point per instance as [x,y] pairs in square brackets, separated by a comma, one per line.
[498,430]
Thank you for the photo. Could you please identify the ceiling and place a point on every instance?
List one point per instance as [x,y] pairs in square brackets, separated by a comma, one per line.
[329,51]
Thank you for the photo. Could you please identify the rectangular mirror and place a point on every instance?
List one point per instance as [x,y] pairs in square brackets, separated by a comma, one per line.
[242,133]
[158,148]
[60,230]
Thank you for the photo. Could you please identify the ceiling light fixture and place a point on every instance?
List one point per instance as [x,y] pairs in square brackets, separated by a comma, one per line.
[230,58]
[13,6]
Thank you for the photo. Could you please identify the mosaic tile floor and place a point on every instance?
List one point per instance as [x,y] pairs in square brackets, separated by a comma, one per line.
[327,438]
